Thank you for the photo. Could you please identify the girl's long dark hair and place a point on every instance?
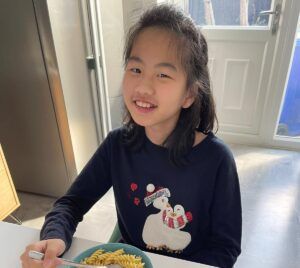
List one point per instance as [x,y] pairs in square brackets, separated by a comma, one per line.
[192,46]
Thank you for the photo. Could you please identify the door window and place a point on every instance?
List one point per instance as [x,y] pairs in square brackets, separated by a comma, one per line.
[229,12]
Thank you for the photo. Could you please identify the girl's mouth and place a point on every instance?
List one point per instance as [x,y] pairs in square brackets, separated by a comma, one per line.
[144,106]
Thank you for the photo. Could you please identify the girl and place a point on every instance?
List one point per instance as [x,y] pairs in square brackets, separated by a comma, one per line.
[175,183]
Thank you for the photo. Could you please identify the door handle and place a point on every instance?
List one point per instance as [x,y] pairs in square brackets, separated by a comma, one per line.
[276,17]
[269,12]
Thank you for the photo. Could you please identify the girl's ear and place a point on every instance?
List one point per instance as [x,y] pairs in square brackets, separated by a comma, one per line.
[189,98]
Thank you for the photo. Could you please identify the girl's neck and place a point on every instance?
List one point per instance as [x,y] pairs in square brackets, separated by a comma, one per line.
[158,135]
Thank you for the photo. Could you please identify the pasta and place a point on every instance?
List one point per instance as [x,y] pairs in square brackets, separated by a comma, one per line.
[102,257]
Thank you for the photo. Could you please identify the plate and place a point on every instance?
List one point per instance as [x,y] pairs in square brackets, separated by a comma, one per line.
[128,249]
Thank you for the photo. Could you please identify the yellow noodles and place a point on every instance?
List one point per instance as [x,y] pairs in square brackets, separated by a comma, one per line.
[100,257]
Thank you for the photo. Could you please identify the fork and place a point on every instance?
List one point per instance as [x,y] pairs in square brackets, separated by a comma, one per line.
[40,256]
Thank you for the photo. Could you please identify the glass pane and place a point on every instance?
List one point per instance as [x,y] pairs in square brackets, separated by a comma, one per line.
[229,12]
[289,122]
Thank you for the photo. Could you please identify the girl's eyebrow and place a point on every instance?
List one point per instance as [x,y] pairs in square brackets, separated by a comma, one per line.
[161,64]
[135,58]
[168,65]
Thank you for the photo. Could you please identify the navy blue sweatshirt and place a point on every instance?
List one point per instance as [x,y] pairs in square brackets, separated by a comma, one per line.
[191,212]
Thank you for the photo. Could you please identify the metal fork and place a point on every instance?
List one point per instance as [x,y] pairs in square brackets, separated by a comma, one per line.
[40,256]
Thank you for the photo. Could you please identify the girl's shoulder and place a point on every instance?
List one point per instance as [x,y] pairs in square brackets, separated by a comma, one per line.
[116,133]
[114,137]
[213,145]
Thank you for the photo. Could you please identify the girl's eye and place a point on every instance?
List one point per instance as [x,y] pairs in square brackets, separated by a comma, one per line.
[163,76]
[135,70]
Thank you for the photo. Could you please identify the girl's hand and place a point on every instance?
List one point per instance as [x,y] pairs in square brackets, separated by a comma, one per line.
[51,248]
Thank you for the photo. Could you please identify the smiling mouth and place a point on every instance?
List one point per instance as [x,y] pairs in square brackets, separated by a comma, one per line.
[143,104]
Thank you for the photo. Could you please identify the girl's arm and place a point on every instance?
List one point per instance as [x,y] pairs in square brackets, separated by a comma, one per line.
[224,243]
[91,184]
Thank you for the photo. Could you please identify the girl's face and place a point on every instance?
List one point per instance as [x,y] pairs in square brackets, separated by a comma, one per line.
[154,82]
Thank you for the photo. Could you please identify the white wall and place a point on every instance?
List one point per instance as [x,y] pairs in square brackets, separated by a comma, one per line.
[69,41]
[113,42]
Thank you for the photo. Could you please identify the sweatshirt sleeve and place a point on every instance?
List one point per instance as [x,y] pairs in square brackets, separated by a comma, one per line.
[224,243]
[90,185]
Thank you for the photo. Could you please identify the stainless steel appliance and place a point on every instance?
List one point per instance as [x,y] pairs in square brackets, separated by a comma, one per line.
[34,130]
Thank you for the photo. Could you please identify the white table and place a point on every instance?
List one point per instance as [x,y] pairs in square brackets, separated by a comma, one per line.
[14,238]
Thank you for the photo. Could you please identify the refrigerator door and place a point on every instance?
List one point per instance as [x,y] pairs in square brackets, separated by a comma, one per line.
[34,131]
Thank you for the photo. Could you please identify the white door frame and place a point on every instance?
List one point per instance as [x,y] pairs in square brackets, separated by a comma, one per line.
[279,78]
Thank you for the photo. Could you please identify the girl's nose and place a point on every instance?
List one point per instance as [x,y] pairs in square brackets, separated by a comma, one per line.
[145,86]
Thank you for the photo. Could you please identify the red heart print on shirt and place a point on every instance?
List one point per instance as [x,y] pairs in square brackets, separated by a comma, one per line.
[133,186]
[136,201]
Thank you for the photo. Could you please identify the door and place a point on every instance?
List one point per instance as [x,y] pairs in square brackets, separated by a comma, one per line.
[242,48]
[240,63]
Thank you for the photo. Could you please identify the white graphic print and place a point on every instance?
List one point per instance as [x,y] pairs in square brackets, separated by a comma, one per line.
[163,229]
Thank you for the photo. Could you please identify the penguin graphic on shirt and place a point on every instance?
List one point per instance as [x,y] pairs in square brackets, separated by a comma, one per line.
[163,229]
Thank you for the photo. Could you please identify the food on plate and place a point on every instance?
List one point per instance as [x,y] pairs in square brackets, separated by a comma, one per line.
[103,257]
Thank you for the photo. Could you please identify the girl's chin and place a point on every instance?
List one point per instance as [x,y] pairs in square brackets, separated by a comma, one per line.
[141,121]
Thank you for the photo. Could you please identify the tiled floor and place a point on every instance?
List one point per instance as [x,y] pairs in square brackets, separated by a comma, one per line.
[270,187]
